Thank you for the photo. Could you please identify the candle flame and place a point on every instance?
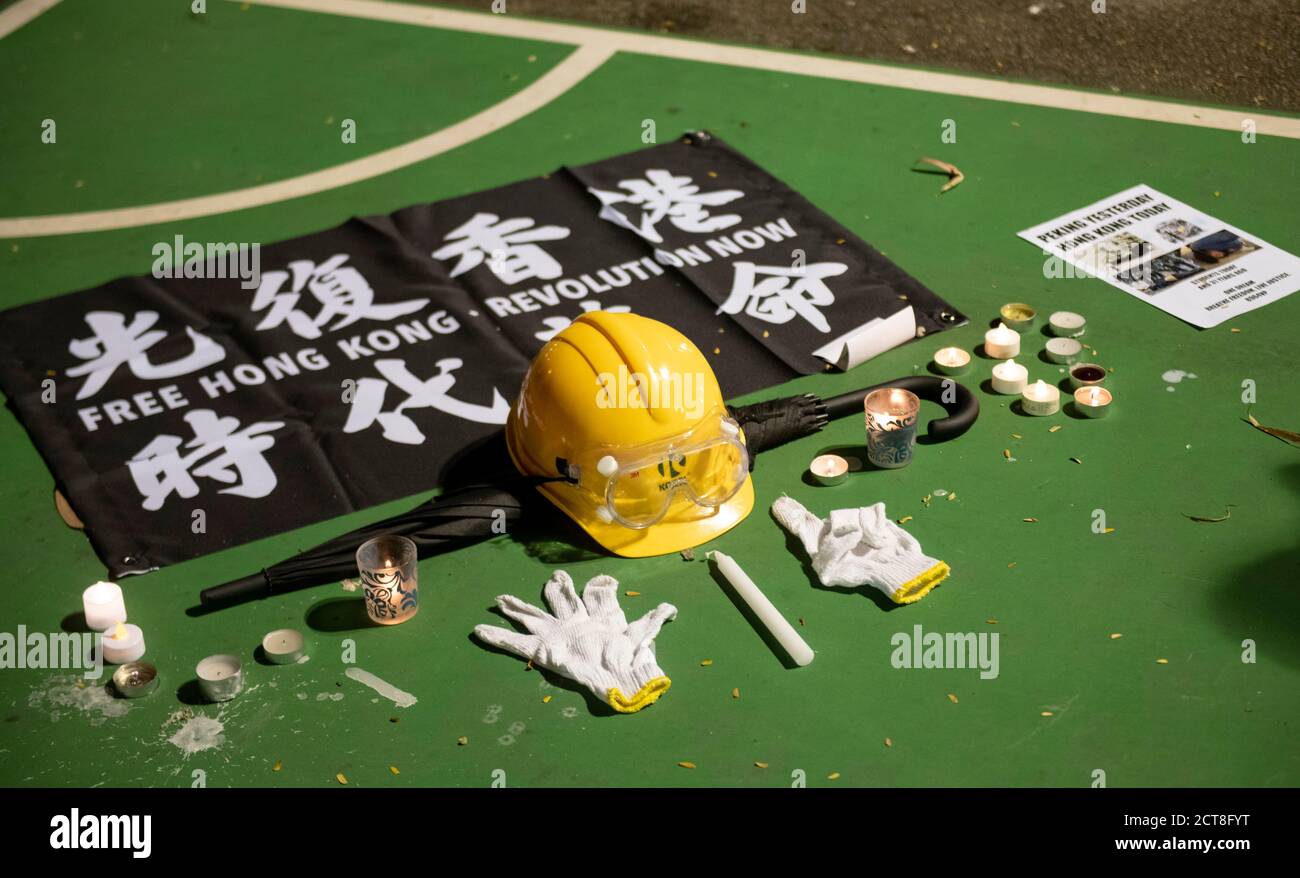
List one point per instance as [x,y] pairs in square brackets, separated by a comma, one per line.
[1040,386]
[119,632]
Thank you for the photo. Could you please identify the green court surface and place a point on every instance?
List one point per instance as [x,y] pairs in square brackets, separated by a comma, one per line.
[154,104]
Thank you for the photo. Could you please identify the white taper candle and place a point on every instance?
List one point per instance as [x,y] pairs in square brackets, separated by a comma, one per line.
[771,618]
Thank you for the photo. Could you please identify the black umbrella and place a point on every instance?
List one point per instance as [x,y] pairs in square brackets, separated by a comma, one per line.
[466,513]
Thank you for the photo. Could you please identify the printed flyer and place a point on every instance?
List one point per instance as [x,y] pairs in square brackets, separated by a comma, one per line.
[1185,262]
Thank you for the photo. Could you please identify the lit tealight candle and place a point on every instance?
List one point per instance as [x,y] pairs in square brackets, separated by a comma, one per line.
[1040,398]
[122,643]
[951,361]
[1092,402]
[891,426]
[1001,343]
[389,576]
[1009,377]
[829,469]
[1067,324]
[103,605]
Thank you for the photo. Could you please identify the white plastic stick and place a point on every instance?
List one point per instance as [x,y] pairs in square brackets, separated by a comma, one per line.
[771,618]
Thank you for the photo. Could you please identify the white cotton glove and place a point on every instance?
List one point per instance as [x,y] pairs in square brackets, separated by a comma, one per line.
[588,640]
[862,547]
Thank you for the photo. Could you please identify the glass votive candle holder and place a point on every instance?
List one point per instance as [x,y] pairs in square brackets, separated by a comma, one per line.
[891,426]
[387,565]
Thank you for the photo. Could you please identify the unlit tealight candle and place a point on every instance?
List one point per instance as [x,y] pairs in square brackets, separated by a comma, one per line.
[221,677]
[1001,343]
[1010,377]
[283,646]
[1040,398]
[1063,350]
[1067,324]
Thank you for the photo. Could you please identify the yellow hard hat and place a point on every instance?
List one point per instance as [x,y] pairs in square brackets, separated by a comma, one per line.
[623,420]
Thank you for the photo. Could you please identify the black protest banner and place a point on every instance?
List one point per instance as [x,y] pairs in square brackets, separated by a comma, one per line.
[239,391]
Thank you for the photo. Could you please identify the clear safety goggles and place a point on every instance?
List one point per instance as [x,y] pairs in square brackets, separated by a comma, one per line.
[637,486]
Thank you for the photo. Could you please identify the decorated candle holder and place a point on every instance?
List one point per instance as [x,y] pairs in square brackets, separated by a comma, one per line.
[891,426]
[387,565]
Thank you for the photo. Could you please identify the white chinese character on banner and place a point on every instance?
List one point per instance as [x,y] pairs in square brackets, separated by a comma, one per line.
[556,325]
[784,292]
[507,245]
[161,468]
[116,342]
[368,404]
[340,290]
[663,196]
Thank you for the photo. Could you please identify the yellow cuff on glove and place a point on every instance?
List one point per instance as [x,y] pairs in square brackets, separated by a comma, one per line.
[919,586]
[646,695]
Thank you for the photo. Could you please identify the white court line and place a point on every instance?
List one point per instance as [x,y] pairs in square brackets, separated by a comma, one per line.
[596,45]
[807,65]
[22,12]
[545,89]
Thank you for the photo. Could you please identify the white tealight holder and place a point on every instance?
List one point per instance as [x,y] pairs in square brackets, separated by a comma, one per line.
[103,605]
[1040,398]
[1001,343]
[1009,378]
[122,643]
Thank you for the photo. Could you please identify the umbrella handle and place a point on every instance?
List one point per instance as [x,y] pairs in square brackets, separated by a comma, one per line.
[957,400]
[255,585]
